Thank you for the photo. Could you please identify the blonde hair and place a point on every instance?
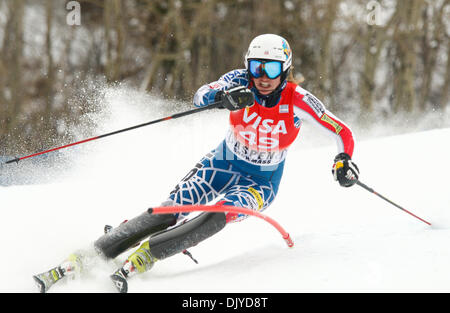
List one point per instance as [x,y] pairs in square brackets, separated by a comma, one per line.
[296,79]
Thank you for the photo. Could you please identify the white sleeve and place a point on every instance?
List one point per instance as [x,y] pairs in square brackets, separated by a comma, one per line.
[205,95]
[305,116]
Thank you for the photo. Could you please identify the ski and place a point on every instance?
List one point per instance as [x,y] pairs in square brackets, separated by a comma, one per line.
[128,269]
[47,279]
[120,281]
[70,266]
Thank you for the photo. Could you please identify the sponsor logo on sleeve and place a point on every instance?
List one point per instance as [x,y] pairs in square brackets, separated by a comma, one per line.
[214,85]
[228,77]
[314,104]
[336,126]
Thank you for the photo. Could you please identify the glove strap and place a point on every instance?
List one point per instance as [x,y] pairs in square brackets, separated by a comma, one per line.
[231,100]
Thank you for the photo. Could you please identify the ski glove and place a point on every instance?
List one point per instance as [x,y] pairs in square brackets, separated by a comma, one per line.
[235,98]
[344,170]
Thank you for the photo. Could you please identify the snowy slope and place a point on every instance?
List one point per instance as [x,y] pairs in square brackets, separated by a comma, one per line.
[345,239]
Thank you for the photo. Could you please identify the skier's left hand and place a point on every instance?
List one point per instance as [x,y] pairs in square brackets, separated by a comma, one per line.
[344,170]
[236,98]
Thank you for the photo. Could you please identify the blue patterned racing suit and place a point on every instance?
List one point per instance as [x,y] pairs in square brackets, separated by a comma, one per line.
[243,177]
[241,184]
[221,175]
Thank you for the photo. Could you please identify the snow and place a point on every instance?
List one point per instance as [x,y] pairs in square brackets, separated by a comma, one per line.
[346,239]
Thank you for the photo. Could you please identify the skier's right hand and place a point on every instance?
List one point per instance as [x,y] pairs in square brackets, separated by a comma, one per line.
[235,98]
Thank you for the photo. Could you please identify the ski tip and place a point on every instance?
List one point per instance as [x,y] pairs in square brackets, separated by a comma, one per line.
[40,284]
[120,283]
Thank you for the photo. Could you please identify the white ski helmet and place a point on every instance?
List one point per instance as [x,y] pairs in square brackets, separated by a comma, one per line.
[270,47]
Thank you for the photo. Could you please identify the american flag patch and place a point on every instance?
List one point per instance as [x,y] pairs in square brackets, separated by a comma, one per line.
[284,108]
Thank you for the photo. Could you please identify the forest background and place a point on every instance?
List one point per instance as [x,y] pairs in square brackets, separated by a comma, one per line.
[366,60]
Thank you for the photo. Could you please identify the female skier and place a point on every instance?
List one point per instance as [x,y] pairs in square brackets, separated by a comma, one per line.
[245,170]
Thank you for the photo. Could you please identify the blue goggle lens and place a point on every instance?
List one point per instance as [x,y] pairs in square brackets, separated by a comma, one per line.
[271,68]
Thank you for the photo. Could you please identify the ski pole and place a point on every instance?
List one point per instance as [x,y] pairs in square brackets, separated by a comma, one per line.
[177,115]
[394,204]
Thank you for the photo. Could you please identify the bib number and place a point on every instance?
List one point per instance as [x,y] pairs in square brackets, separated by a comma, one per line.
[261,142]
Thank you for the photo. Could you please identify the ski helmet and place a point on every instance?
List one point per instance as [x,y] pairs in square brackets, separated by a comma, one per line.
[270,47]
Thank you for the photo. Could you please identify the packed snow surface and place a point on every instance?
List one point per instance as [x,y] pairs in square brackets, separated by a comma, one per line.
[346,239]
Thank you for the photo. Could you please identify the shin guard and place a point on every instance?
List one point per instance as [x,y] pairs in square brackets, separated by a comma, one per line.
[186,235]
[120,238]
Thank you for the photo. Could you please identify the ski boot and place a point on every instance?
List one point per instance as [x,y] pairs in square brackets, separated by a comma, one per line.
[167,243]
[68,267]
[138,262]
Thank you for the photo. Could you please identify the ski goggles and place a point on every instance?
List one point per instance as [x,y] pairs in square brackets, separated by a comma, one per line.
[272,69]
